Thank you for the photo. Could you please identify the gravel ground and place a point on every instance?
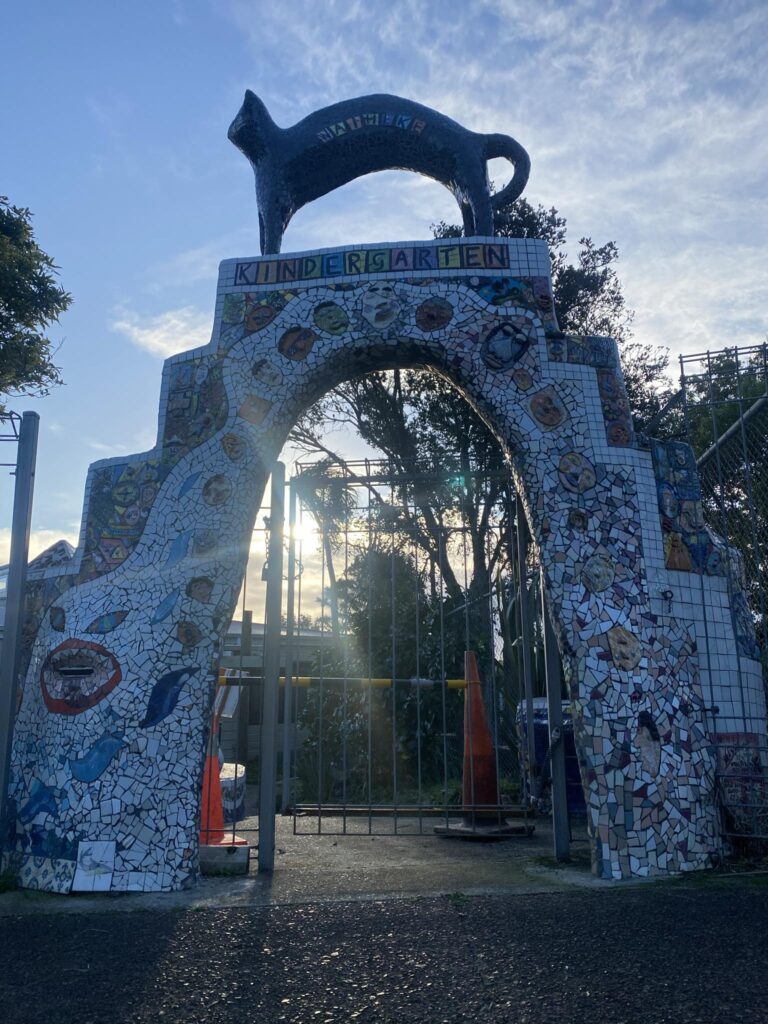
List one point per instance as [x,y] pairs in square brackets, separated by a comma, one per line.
[694,951]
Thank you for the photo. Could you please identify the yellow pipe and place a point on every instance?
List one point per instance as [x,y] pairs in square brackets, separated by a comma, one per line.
[377,683]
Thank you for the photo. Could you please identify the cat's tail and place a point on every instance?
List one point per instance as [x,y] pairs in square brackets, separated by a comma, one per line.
[505,146]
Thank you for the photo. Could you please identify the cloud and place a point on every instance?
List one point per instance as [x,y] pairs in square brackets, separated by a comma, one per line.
[646,124]
[39,540]
[106,449]
[165,334]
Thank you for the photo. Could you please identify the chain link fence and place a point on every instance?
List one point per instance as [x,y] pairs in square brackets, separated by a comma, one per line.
[721,410]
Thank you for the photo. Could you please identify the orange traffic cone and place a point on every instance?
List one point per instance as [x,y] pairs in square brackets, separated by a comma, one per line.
[211,807]
[481,783]
[482,817]
[212,812]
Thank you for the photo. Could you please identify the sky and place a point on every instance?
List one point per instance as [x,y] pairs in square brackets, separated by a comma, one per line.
[647,124]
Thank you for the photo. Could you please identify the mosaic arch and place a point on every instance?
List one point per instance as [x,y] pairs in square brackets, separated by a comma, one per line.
[107,766]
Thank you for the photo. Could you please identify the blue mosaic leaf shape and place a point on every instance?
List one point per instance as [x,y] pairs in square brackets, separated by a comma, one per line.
[92,764]
[178,549]
[165,607]
[189,483]
[165,695]
[41,798]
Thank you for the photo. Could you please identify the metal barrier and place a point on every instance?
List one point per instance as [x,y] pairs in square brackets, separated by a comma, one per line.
[721,410]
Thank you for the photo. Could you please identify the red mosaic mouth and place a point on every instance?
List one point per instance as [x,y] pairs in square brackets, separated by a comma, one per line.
[76,675]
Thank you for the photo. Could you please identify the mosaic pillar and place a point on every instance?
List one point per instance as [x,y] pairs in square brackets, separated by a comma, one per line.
[107,765]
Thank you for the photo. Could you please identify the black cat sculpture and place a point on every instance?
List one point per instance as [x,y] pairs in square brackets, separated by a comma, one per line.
[295,165]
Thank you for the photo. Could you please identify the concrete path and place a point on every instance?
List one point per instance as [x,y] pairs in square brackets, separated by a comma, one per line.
[334,867]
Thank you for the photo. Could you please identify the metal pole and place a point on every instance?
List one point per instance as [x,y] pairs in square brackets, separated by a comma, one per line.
[527,634]
[10,654]
[272,631]
[285,802]
[244,701]
[556,742]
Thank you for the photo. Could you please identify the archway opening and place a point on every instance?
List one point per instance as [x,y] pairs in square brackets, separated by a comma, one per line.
[401,555]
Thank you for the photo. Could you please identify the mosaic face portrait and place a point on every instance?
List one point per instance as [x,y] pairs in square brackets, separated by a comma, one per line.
[547,409]
[380,306]
[598,573]
[522,379]
[217,490]
[258,316]
[266,373]
[625,648]
[619,434]
[234,447]
[668,502]
[330,318]
[691,516]
[576,473]
[433,315]
[296,343]
[504,345]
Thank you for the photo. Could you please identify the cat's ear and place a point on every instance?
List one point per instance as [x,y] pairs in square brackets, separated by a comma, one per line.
[252,127]
[257,111]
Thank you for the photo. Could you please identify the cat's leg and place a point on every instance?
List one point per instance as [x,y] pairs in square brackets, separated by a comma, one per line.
[272,226]
[262,240]
[482,211]
[468,218]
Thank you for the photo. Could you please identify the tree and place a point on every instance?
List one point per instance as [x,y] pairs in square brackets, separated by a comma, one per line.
[361,742]
[420,423]
[418,420]
[734,470]
[589,300]
[30,301]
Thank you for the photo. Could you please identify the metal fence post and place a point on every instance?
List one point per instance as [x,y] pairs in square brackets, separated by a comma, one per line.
[526,631]
[244,700]
[556,740]
[271,673]
[289,629]
[10,655]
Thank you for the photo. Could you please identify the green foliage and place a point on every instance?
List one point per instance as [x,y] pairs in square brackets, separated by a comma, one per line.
[589,300]
[421,424]
[734,477]
[361,739]
[30,301]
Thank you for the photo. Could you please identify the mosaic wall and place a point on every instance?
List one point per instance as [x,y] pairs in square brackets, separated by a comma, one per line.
[122,637]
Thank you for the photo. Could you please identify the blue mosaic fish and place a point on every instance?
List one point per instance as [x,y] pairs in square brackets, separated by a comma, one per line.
[41,799]
[92,764]
[165,695]
[106,623]
[165,607]
[189,483]
[178,549]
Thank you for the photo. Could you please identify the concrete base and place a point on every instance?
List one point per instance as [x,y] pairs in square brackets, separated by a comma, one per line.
[484,831]
[225,858]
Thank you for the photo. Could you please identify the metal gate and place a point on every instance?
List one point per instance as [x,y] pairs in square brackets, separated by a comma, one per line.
[722,411]
[373,738]
[346,712]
